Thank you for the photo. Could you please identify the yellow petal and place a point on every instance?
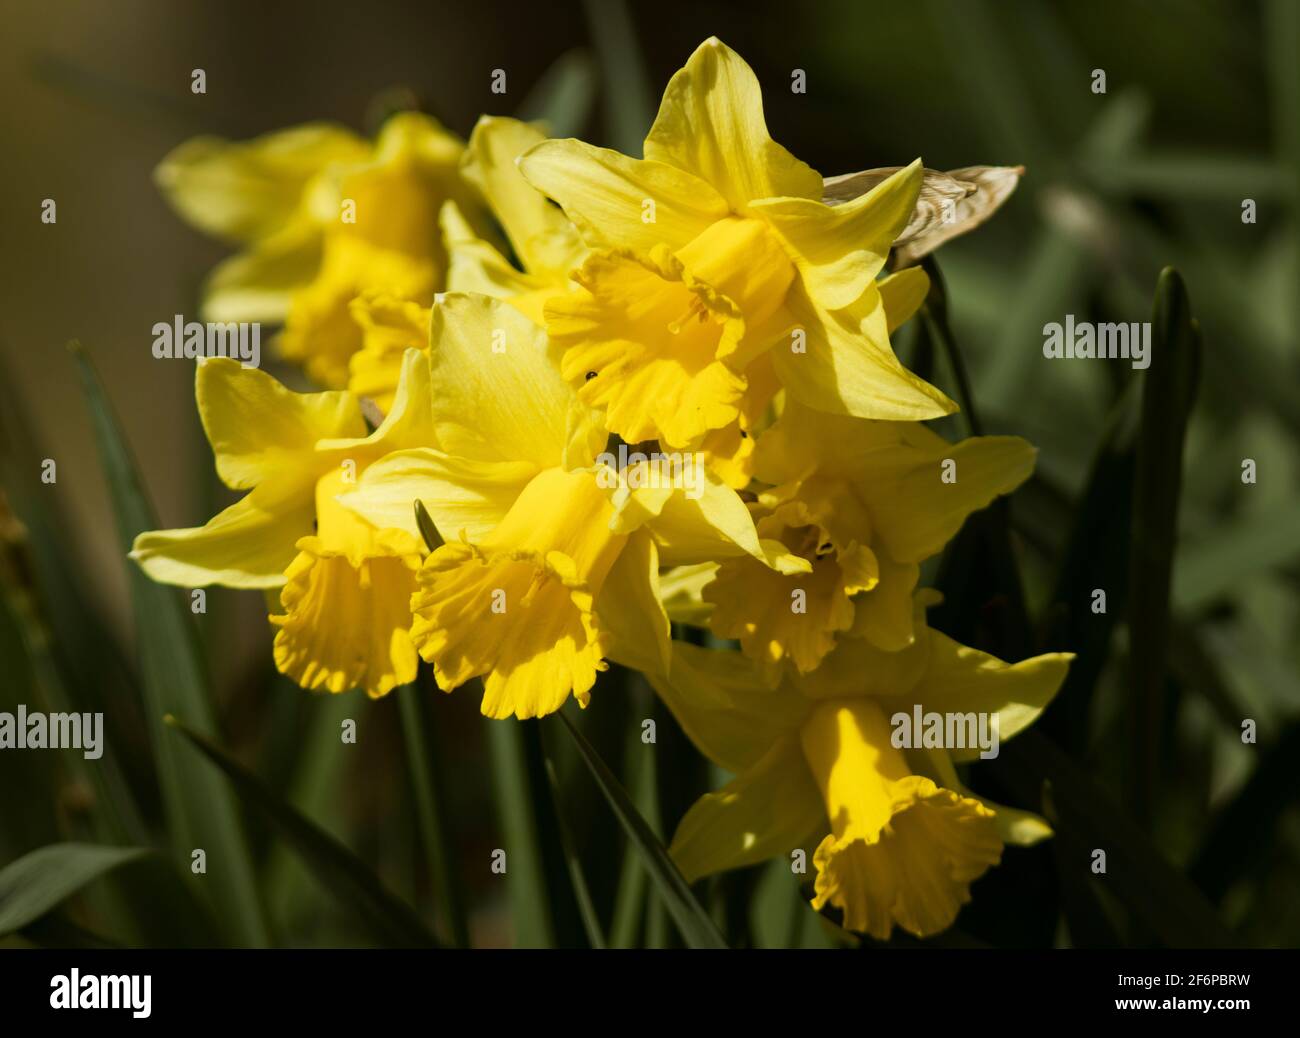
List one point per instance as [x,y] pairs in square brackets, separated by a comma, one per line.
[248,544]
[259,283]
[763,813]
[858,668]
[729,708]
[960,679]
[464,497]
[345,624]
[710,123]
[247,190]
[619,202]
[389,327]
[902,293]
[705,522]
[839,250]
[682,591]
[883,615]
[847,365]
[517,609]
[496,394]
[743,261]
[643,343]
[777,616]
[410,421]
[545,242]
[320,331]
[1015,826]
[381,235]
[475,265]
[259,429]
[915,511]
[901,850]
[399,192]
[629,611]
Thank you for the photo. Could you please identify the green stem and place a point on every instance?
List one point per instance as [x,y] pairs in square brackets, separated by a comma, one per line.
[431,809]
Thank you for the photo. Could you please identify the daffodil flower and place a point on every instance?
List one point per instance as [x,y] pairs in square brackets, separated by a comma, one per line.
[547,562]
[898,839]
[543,241]
[344,585]
[326,218]
[721,276]
[865,503]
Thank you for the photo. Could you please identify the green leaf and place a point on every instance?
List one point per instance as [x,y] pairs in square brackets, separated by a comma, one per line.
[40,881]
[578,879]
[525,879]
[563,97]
[316,791]
[1136,873]
[1096,556]
[543,903]
[1085,914]
[1233,552]
[200,810]
[431,807]
[389,919]
[631,906]
[1168,390]
[629,102]
[697,928]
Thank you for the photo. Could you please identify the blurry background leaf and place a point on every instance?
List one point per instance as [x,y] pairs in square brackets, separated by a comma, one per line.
[563,97]
[201,814]
[41,880]
[392,921]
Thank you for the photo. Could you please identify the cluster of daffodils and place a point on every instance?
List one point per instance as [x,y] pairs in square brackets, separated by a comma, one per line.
[512,335]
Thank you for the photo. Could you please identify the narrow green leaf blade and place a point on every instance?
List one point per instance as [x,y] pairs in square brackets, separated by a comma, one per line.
[563,97]
[1095,557]
[431,808]
[1168,389]
[629,103]
[390,919]
[42,880]
[200,810]
[696,927]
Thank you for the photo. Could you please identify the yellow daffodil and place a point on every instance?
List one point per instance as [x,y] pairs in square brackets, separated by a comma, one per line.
[722,277]
[258,194]
[548,559]
[345,585]
[864,503]
[326,218]
[818,757]
[543,241]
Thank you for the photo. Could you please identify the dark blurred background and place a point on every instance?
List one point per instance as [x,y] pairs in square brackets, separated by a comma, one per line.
[1201,111]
